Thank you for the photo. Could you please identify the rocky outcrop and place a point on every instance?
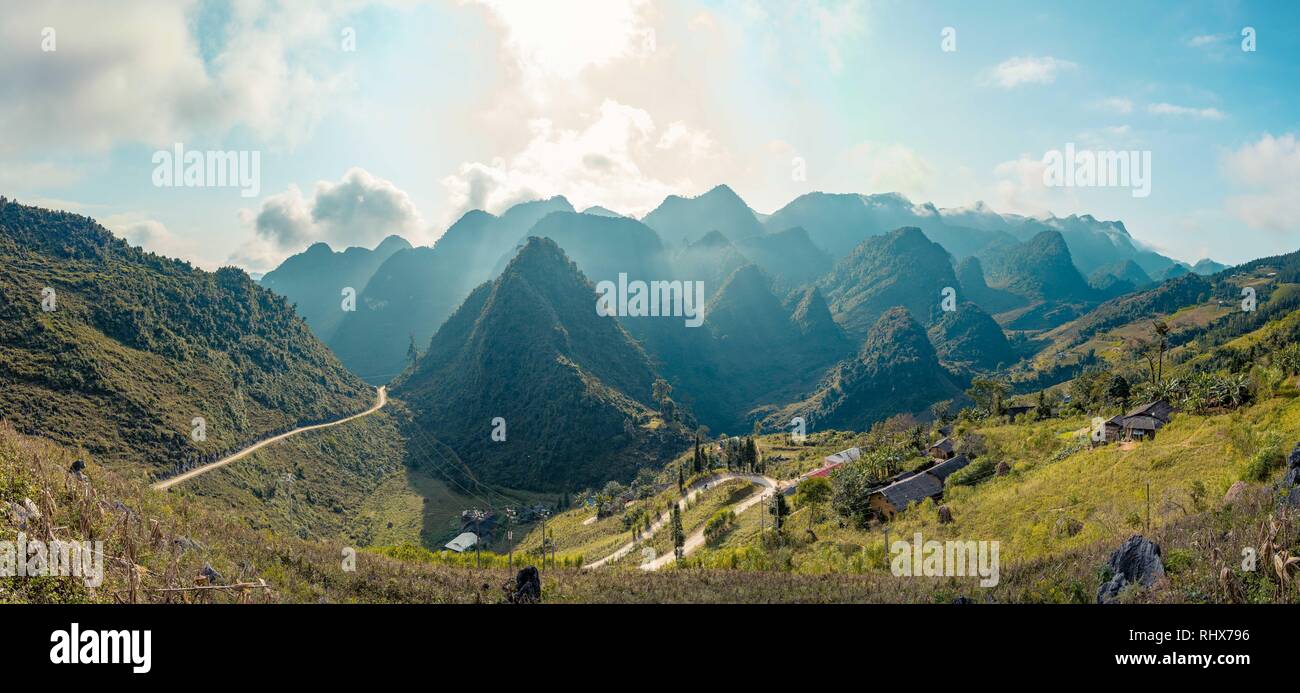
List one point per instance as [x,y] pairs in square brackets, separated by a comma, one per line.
[1291,481]
[1137,561]
[527,587]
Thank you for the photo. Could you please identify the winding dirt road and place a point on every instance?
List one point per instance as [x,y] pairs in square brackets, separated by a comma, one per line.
[766,486]
[381,398]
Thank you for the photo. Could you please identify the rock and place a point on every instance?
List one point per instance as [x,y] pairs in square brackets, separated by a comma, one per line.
[945,515]
[24,512]
[187,544]
[1290,485]
[1234,492]
[211,575]
[1067,527]
[77,469]
[963,600]
[1002,469]
[1136,561]
[527,588]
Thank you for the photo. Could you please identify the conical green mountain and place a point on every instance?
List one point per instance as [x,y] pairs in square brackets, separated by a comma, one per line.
[314,280]
[901,268]
[970,273]
[574,390]
[1040,269]
[122,352]
[416,289]
[896,370]
[813,317]
[969,337]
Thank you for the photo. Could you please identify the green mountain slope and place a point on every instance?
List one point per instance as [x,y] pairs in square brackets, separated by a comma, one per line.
[970,337]
[896,370]
[138,347]
[410,295]
[574,389]
[901,268]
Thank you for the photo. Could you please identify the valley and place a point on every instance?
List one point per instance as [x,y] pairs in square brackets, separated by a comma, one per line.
[640,456]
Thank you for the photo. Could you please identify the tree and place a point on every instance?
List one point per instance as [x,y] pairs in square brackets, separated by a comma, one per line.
[1162,331]
[679,534]
[697,464]
[812,494]
[681,480]
[988,394]
[411,352]
[662,393]
[779,509]
[1044,410]
[1119,391]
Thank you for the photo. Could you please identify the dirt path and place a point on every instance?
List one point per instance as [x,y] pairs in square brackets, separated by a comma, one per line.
[381,398]
[766,483]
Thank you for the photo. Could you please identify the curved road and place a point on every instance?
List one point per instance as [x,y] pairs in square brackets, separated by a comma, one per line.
[381,398]
[695,540]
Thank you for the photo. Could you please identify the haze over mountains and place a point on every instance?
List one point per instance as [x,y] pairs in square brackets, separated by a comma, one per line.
[820,310]
[789,295]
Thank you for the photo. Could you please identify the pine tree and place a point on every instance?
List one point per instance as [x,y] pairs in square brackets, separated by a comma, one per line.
[681,480]
[699,458]
[679,534]
[411,352]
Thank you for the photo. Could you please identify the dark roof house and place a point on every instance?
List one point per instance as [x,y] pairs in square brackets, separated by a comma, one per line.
[945,469]
[942,449]
[1159,409]
[895,497]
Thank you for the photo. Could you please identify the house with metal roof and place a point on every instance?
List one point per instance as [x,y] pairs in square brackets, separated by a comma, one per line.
[463,542]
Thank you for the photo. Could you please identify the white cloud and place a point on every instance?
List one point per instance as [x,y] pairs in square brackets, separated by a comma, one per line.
[1115,105]
[135,72]
[602,163]
[1019,188]
[1207,40]
[1185,111]
[558,39]
[144,232]
[360,209]
[1014,72]
[1270,169]
[890,168]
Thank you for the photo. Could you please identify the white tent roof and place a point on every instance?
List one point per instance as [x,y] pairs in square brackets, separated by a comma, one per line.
[466,540]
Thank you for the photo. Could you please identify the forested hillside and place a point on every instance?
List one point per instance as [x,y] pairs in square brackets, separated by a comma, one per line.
[127,354]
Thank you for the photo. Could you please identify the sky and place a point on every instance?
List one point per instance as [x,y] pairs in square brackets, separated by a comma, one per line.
[372,118]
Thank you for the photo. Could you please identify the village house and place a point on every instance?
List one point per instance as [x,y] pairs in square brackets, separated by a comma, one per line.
[894,498]
[942,450]
[913,487]
[831,462]
[1139,424]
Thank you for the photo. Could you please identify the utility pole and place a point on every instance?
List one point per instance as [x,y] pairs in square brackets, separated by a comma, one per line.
[544,512]
[510,537]
[478,516]
[1148,509]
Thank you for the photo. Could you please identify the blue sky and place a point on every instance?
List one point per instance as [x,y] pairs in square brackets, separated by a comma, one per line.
[445,106]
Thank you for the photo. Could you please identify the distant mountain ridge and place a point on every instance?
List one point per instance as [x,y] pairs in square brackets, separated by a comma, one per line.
[314,280]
